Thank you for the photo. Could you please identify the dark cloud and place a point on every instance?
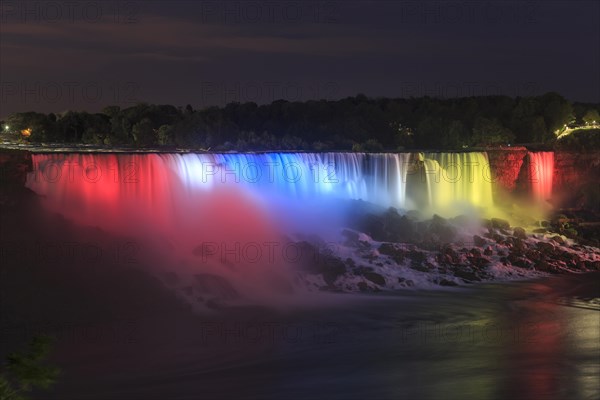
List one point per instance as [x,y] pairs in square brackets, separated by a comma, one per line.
[209,52]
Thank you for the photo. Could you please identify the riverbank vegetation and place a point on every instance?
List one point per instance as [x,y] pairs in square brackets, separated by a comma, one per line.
[356,123]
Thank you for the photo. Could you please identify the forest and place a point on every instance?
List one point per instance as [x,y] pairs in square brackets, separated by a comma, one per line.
[358,123]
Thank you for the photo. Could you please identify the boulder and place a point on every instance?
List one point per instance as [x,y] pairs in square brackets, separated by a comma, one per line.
[479,241]
[520,233]
[500,223]
[375,278]
[545,248]
[405,282]
[315,261]
[396,252]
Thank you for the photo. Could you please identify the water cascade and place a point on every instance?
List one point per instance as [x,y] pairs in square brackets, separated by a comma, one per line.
[458,180]
[227,216]
[158,183]
[541,170]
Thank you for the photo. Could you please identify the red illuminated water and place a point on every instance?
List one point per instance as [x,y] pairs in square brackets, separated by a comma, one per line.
[229,215]
[182,229]
[541,171]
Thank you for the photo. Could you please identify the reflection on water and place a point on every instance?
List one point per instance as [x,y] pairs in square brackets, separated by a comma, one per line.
[122,336]
[520,341]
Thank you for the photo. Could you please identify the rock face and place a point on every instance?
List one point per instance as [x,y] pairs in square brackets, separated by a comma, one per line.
[14,166]
[317,260]
[505,165]
[572,168]
[577,179]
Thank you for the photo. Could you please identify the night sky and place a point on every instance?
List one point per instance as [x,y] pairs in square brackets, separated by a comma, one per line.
[86,55]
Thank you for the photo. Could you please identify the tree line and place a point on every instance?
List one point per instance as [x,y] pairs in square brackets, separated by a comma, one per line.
[356,123]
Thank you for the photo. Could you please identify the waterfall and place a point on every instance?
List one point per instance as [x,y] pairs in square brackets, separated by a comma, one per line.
[159,182]
[455,179]
[541,170]
[226,215]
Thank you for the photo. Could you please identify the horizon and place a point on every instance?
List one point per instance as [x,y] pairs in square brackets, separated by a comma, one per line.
[369,98]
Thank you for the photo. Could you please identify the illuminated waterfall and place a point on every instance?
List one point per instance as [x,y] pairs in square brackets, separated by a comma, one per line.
[159,183]
[378,178]
[455,179]
[226,214]
[163,192]
[541,170]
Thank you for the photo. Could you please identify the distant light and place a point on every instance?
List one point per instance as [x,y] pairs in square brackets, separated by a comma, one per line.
[6,127]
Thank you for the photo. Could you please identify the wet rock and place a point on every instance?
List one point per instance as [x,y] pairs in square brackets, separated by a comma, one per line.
[479,241]
[417,256]
[452,254]
[419,267]
[488,251]
[406,282]
[500,223]
[475,252]
[545,266]
[396,252]
[375,278]
[564,256]
[442,259]
[315,261]
[519,261]
[466,275]
[559,239]
[534,255]
[515,244]
[592,265]
[430,243]
[496,237]
[476,259]
[520,233]
[545,248]
[439,231]
[331,269]
[390,227]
